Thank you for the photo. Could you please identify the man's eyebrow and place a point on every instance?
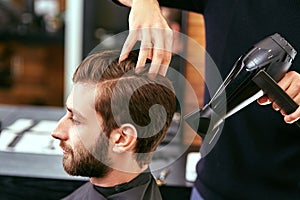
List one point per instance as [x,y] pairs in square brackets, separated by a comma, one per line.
[74,112]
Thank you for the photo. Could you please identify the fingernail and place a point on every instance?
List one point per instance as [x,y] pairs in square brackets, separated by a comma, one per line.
[122,58]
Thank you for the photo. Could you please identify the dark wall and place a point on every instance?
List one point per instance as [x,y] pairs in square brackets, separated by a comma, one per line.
[102,17]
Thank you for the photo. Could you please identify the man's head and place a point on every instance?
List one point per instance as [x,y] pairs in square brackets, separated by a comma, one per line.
[112,111]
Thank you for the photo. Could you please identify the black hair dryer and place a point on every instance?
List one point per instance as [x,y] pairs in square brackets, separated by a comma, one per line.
[254,74]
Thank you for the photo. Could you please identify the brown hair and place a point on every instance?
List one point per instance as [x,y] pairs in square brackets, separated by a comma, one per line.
[127,97]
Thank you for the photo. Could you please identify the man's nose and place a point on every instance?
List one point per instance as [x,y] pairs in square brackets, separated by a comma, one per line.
[61,130]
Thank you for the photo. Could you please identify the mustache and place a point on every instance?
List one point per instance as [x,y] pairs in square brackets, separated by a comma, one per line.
[65,147]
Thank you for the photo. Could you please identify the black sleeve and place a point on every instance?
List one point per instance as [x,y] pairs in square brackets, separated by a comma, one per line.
[117,2]
[188,5]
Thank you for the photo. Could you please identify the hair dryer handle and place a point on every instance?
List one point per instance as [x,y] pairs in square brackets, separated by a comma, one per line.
[276,93]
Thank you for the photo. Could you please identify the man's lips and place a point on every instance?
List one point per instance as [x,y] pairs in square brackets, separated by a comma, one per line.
[66,152]
[65,149]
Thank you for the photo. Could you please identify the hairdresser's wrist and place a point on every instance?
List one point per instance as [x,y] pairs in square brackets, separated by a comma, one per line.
[129,3]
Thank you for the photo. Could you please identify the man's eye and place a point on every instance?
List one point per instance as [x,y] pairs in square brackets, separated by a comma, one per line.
[73,119]
[76,122]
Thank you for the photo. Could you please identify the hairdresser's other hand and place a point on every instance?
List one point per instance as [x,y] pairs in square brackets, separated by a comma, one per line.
[147,24]
[290,83]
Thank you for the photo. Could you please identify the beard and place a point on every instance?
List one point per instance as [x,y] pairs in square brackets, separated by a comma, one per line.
[80,162]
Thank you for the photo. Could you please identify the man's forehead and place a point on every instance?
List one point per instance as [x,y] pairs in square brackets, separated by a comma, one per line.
[82,96]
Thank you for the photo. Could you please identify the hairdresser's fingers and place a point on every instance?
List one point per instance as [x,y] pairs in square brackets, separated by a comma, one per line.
[290,83]
[160,62]
[292,117]
[264,100]
[131,40]
[156,61]
[276,107]
[162,52]
[145,49]
[158,50]
[293,89]
[295,98]
[167,51]
[285,82]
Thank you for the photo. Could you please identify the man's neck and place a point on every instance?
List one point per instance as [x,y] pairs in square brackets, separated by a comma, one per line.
[115,177]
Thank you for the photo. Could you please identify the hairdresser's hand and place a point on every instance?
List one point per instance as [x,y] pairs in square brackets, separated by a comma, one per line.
[147,24]
[290,83]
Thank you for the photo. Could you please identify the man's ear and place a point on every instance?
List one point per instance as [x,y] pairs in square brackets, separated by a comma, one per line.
[124,138]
